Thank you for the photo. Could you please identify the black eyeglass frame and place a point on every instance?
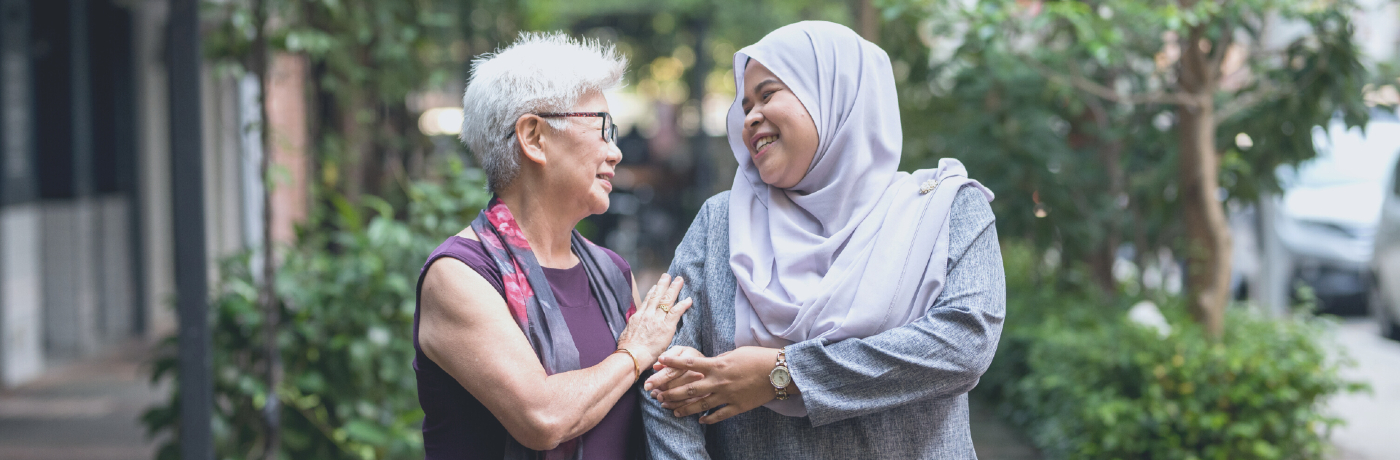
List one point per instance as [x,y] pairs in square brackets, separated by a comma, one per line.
[609,128]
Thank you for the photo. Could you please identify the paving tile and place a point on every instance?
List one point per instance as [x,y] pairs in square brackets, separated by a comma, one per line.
[84,410]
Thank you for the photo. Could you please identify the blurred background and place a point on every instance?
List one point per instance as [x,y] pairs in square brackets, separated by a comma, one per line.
[1197,203]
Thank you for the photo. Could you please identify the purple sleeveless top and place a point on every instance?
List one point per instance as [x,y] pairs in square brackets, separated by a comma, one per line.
[457,425]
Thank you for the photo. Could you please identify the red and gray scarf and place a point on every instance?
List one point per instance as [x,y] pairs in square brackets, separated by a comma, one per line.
[534,308]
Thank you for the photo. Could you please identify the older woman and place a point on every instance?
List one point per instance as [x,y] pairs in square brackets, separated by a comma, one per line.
[855,303]
[528,336]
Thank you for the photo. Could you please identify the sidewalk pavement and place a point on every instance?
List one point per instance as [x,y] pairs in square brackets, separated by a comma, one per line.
[1371,423]
[90,410]
[86,410]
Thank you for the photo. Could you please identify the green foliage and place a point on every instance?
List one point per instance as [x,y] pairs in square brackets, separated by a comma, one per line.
[366,59]
[1068,109]
[346,344]
[1087,383]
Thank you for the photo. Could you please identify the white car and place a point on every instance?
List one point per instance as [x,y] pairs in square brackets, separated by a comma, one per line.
[1384,136]
[1330,209]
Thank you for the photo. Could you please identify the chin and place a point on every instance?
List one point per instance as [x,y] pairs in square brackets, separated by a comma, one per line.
[600,205]
[770,179]
[766,171]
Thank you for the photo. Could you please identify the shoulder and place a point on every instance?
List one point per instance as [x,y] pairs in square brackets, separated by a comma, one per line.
[451,279]
[715,211]
[708,233]
[621,263]
[969,220]
[716,205]
[719,201]
[458,253]
[468,251]
[713,215]
[970,210]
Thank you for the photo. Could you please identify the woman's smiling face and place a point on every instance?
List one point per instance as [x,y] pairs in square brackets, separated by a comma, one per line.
[582,163]
[778,131]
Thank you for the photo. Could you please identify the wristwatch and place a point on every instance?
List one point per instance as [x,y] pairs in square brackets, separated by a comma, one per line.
[779,376]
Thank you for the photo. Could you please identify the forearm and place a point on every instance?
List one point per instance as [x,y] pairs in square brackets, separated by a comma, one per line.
[574,402]
[942,354]
[472,336]
[916,362]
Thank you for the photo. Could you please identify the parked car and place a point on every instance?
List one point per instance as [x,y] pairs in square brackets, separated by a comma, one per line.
[1385,262]
[1330,209]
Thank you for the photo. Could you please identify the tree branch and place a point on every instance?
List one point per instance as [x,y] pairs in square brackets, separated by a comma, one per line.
[1219,52]
[1267,91]
[1098,90]
[1246,101]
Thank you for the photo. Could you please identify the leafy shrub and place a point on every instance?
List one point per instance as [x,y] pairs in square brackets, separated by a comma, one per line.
[1086,383]
[345,341]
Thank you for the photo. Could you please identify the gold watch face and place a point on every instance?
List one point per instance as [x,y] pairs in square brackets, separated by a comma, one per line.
[779,377]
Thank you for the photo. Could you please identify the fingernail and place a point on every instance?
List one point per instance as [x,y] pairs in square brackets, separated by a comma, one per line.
[646,386]
[676,413]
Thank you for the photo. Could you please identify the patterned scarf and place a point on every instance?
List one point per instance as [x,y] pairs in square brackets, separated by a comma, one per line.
[532,303]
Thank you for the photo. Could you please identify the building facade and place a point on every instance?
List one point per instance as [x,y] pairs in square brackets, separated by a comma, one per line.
[86,243]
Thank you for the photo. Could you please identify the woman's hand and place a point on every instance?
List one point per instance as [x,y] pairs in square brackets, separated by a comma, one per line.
[737,380]
[651,327]
[666,378]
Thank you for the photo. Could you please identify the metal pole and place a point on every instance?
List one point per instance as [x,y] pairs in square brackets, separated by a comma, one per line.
[700,153]
[191,269]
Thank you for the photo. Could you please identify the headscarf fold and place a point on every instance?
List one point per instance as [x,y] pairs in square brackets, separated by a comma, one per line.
[856,247]
[532,303]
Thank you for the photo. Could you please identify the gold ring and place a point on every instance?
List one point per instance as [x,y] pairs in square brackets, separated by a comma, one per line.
[665,307]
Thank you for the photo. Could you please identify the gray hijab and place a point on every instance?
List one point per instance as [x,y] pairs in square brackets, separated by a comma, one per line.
[856,247]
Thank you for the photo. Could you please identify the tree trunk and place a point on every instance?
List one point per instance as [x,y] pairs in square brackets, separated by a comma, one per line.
[1089,132]
[1207,231]
[267,294]
[1110,152]
[358,145]
[867,20]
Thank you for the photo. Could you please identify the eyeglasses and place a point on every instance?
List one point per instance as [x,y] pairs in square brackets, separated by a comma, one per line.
[609,128]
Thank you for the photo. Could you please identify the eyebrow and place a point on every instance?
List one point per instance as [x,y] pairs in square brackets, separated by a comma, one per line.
[759,88]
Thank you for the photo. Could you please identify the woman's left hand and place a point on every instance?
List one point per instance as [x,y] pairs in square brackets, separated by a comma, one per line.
[737,380]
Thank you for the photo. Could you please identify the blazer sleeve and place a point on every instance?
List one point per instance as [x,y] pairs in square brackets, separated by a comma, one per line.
[669,437]
[940,355]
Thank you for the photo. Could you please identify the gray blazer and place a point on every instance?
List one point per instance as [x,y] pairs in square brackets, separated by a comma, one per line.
[898,394]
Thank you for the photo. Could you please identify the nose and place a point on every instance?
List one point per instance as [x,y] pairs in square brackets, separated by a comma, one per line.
[753,118]
[614,154]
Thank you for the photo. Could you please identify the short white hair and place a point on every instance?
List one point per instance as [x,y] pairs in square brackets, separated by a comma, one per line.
[540,72]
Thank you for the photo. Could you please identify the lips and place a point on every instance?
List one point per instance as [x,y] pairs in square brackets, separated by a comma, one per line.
[761,141]
[607,180]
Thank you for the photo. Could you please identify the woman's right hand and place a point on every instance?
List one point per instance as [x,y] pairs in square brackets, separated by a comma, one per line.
[651,327]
